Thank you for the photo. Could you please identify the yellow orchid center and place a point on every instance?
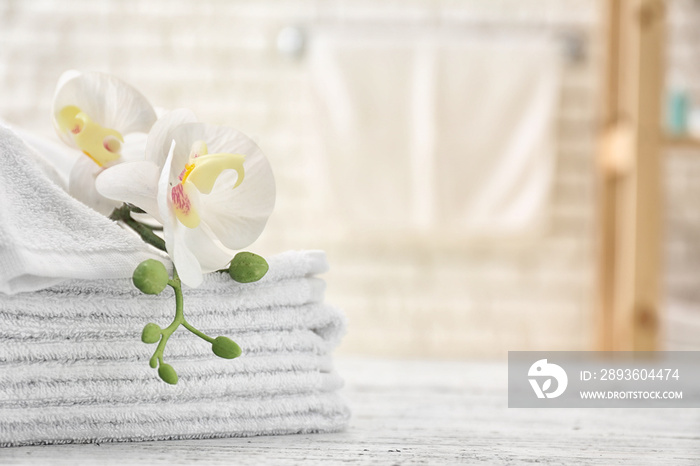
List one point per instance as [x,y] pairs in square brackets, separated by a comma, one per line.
[101,144]
[201,172]
[186,173]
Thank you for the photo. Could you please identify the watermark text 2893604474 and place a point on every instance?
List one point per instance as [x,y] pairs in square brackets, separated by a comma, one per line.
[580,379]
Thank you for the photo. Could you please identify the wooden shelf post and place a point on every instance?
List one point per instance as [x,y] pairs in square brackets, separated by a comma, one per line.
[630,220]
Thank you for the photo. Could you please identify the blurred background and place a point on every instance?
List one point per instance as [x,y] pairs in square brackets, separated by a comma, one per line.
[442,152]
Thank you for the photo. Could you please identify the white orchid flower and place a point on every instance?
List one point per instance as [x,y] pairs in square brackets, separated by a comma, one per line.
[210,186]
[106,119]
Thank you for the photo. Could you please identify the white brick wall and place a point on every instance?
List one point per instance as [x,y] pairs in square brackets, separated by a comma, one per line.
[682,273]
[402,297]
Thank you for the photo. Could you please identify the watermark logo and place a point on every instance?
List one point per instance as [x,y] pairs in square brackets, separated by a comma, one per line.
[544,371]
[602,379]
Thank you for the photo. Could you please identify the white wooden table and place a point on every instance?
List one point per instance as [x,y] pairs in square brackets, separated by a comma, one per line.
[407,412]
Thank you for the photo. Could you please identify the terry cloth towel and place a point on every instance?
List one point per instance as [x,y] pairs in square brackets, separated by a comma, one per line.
[46,236]
[448,133]
[73,368]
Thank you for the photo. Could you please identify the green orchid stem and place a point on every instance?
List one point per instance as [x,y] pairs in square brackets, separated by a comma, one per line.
[170,329]
[123,214]
[179,319]
[200,334]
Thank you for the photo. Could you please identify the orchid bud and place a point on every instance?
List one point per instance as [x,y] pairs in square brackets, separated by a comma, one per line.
[151,277]
[150,334]
[167,373]
[247,267]
[225,348]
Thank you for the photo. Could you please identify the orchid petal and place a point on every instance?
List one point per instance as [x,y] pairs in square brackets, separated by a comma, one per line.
[134,147]
[218,139]
[185,261]
[81,185]
[238,216]
[107,100]
[132,182]
[67,76]
[164,209]
[210,253]
[159,138]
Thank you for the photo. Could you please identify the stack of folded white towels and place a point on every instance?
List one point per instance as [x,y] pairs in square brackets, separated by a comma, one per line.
[73,368]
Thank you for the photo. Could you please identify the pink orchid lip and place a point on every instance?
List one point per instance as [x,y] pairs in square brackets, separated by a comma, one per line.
[180,200]
[182,205]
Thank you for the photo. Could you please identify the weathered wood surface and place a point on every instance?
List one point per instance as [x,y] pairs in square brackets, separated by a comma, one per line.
[408,412]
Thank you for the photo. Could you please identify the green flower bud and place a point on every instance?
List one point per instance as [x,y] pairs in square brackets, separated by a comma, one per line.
[150,334]
[247,267]
[225,348]
[167,373]
[151,277]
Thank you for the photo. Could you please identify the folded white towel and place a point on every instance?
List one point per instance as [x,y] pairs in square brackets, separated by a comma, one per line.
[305,413]
[47,236]
[72,368]
[54,159]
